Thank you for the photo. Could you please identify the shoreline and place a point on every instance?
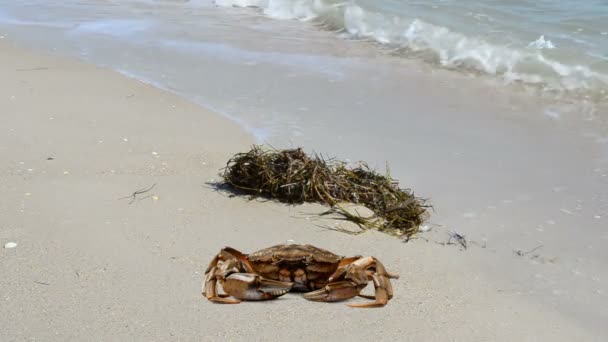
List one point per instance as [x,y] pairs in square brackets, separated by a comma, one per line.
[120,271]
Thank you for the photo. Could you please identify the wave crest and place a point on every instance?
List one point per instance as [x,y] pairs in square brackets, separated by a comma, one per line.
[440,45]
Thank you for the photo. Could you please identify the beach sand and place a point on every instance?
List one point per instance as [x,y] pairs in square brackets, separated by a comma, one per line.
[75,139]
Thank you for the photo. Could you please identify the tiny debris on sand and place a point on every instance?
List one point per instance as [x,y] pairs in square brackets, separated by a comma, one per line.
[134,195]
[10,245]
[519,252]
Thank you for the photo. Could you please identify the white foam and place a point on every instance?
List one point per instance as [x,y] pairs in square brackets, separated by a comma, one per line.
[541,43]
[525,63]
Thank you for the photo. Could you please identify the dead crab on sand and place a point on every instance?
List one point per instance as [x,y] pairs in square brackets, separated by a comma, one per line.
[272,272]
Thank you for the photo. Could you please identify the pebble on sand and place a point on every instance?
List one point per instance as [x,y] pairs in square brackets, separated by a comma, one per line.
[10,245]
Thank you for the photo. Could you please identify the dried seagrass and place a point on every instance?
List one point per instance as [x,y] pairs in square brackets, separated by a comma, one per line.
[292,176]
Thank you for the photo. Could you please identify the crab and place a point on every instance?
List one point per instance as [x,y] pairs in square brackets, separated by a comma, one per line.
[272,272]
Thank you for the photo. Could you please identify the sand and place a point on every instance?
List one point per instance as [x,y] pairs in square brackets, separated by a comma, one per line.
[88,265]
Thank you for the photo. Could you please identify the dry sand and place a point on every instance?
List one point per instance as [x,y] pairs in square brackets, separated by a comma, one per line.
[90,266]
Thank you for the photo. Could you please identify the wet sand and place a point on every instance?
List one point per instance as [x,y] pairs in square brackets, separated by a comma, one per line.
[76,138]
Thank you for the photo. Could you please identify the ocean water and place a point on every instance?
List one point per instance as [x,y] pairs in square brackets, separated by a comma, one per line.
[557,45]
[560,47]
[302,72]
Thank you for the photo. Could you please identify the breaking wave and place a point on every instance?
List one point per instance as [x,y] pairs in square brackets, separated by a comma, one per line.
[529,63]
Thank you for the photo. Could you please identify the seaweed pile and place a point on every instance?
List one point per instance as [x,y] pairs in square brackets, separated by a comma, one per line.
[292,176]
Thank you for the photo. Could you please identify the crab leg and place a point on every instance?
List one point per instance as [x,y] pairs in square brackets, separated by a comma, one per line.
[381,296]
[382,284]
[210,289]
[224,264]
[249,286]
[334,292]
[350,281]
[351,277]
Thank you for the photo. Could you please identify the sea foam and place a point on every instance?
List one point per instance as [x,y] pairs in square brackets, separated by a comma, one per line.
[526,63]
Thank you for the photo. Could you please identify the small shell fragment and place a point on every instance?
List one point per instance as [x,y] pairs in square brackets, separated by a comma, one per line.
[10,245]
[424,228]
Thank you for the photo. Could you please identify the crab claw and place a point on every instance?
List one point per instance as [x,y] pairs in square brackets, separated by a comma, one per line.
[334,292]
[250,286]
[384,292]
[210,291]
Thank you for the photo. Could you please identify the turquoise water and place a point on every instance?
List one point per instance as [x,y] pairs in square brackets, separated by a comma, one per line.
[561,46]
[557,46]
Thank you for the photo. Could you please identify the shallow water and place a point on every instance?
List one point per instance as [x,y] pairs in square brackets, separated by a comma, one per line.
[560,46]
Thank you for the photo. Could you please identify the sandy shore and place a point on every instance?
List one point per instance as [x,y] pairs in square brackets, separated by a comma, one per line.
[88,265]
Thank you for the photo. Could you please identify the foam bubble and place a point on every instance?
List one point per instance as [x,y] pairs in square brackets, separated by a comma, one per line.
[541,43]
